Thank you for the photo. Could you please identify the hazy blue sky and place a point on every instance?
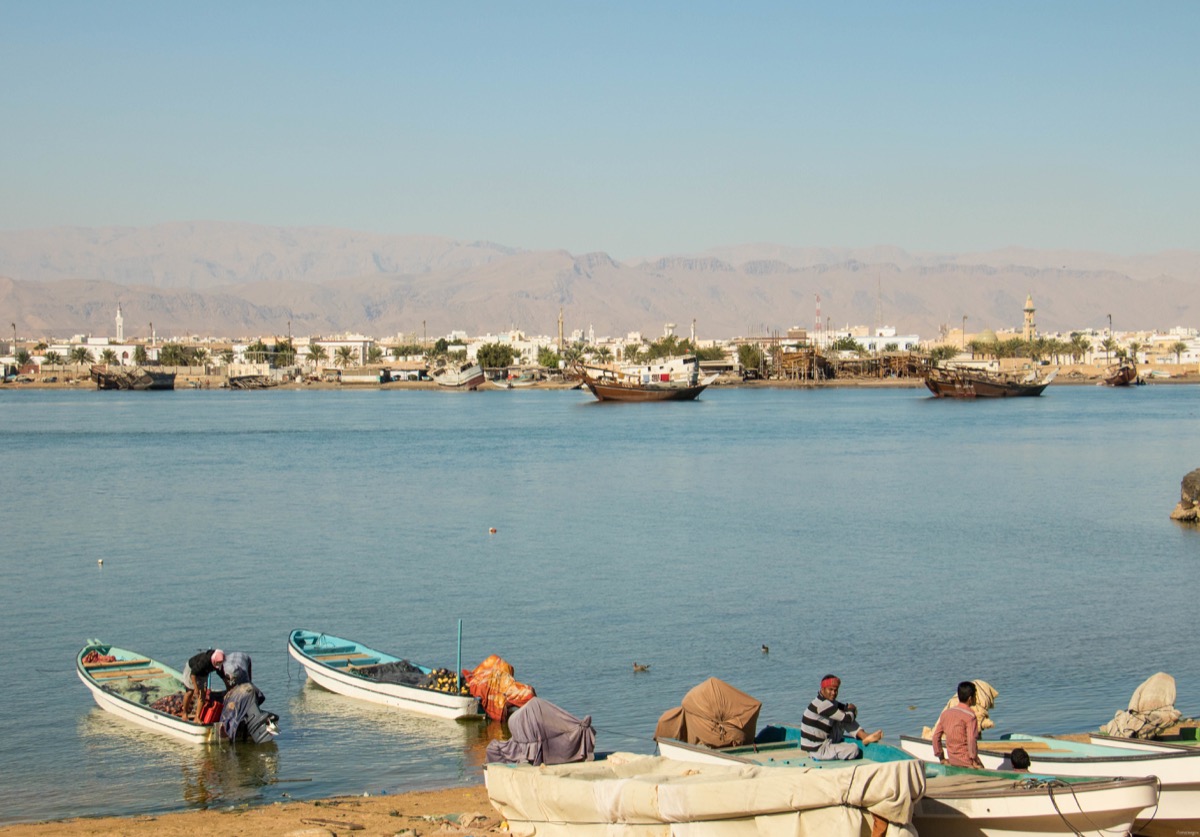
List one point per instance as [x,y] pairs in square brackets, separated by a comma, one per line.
[633,128]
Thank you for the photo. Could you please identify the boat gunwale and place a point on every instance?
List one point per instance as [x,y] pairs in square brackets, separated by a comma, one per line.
[1120,755]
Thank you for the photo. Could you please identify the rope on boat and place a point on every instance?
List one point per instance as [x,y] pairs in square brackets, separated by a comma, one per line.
[1056,784]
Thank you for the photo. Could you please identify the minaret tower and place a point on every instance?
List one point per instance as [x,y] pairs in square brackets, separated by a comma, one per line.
[120,325]
[1030,326]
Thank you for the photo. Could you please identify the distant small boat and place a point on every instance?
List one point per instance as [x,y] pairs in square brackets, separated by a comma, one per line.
[351,668]
[525,379]
[964,382]
[672,379]
[131,377]
[459,376]
[962,801]
[129,684]
[1122,374]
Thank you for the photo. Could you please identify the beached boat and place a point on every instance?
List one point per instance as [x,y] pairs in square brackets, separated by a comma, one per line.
[627,794]
[131,686]
[960,801]
[1177,770]
[964,382]
[671,379]
[466,375]
[1122,374]
[520,381]
[351,668]
[131,377]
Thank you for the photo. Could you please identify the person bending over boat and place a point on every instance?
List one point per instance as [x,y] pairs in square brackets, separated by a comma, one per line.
[235,669]
[195,678]
[959,726]
[827,723]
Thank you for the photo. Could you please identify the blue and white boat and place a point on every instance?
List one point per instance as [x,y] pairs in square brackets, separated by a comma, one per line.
[127,686]
[1176,769]
[963,802]
[355,670]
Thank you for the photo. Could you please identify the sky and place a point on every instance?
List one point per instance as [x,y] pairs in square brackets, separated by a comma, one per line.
[632,128]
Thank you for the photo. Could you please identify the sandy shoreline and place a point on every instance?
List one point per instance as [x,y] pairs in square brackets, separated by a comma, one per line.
[452,811]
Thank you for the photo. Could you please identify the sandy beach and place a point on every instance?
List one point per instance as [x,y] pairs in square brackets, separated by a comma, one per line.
[453,811]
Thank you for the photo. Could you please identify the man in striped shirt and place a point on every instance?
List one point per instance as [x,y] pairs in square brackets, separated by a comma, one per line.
[827,723]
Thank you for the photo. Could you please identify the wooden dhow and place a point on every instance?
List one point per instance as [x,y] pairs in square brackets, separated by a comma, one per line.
[131,377]
[671,379]
[965,382]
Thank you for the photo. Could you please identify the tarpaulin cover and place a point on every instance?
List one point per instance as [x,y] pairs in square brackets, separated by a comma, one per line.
[498,691]
[714,714]
[543,733]
[628,796]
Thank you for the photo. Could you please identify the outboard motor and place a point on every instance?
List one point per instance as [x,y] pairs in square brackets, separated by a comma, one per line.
[243,717]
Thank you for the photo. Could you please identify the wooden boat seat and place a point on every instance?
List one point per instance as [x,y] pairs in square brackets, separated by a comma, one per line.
[331,651]
[117,664]
[352,661]
[118,675]
[1008,746]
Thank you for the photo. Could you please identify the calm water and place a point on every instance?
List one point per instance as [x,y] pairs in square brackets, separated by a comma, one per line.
[903,542]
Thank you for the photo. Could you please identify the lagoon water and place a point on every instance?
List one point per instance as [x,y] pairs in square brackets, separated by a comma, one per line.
[903,542]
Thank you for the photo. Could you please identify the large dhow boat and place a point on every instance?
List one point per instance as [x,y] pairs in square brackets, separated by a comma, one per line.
[351,668]
[967,382]
[669,379]
[131,377]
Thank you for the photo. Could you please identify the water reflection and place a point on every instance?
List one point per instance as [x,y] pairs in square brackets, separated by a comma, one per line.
[315,711]
[208,774]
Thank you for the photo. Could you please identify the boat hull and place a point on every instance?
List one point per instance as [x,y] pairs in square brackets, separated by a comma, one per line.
[619,392]
[1177,771]
[341,681]
[151,719]
[971,387]
[467,377]
[132,378]
[958,802]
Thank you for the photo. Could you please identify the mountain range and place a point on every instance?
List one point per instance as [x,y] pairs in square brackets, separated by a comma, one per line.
[244,280]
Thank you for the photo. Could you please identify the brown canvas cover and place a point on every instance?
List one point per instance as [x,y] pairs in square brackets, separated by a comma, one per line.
[714,714]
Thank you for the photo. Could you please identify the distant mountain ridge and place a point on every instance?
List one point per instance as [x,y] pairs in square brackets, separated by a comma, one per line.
[232,279]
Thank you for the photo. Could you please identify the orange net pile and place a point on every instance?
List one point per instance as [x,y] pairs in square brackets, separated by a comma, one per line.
[498,691]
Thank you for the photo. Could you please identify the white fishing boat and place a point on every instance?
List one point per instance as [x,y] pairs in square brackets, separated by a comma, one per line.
[1177,770]
[128,683]
[960,801]
[353,669]
[628,794]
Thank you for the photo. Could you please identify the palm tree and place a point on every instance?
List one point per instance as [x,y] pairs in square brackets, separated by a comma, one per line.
[40,346]
[227,356]
[22,357]
[374,354]
[81,355]
[285,353]
[108,356]
[604,354]
[316,353]
[1178,348]
[344,356]
[139,354]
[1080,346]
[199,356]
[53,358]
[1134,348]
[1108,345]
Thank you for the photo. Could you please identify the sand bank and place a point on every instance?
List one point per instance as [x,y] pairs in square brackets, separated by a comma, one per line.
[453,812]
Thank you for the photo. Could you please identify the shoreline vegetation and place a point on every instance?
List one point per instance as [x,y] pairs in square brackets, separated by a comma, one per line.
[1071,375]
[452,811]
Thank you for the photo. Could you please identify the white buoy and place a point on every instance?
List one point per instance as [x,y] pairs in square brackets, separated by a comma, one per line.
[492,531]
[100,561]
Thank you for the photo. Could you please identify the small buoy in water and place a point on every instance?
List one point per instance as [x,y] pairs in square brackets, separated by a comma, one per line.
[100,561]
[766,650]
[911,708]
[492,531]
